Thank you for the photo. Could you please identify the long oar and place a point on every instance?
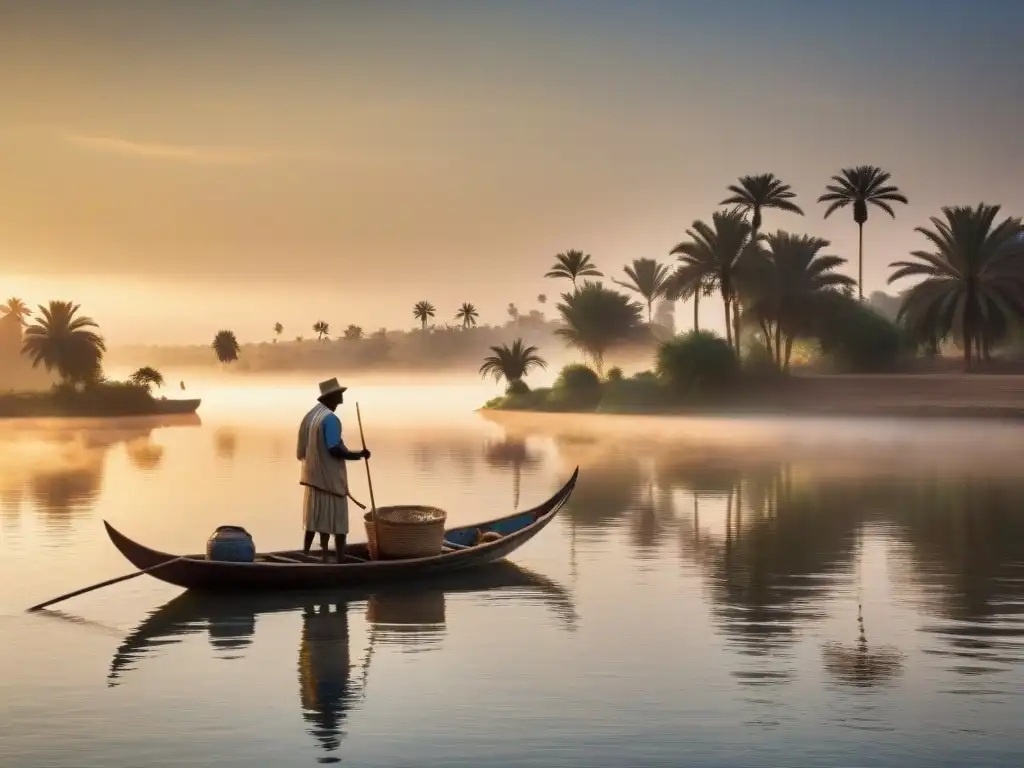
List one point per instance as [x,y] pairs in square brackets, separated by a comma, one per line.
[369,483]
[106,583]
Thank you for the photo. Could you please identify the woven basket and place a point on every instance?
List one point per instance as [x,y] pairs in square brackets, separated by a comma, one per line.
[405,532]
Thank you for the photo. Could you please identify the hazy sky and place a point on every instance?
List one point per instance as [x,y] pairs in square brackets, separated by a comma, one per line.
[186,166]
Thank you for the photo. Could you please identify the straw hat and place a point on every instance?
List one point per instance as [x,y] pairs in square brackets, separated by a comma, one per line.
[330,387]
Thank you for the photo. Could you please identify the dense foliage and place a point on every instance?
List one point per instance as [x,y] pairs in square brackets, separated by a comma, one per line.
[698,364]
[102,399]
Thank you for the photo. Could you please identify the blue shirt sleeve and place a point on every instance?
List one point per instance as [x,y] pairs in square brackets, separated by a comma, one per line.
[332,430]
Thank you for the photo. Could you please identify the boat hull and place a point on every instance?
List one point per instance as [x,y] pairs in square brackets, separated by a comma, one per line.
[197,573]
[177,406]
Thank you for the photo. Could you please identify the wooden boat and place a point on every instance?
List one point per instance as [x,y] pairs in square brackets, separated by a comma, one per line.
[233,618]
[293,570]
[165,406]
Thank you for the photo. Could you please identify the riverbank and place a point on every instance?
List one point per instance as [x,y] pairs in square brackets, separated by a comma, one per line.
[102,401]
[977,396]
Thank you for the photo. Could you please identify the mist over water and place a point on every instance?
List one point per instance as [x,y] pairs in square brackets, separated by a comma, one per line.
[739,592]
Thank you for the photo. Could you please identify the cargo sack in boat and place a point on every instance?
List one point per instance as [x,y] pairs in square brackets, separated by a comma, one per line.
[231,544]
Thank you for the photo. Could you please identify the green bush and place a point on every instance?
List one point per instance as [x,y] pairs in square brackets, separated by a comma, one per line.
[517,387]
[856,339]
[614,374]
[697,364]
[578,378]
[576,388]
[530,400]
[637,394]
[116,398]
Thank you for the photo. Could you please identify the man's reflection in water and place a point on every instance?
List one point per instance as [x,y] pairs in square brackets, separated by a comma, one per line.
[326,688]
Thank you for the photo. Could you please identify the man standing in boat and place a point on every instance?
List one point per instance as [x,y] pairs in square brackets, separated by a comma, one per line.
[324,472]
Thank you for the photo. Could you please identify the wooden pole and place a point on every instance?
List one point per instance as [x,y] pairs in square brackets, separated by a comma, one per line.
[369,483]
[106,583]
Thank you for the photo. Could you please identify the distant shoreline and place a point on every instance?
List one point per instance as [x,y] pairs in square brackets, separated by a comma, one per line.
[103,402]
[921,396]
[1012,413]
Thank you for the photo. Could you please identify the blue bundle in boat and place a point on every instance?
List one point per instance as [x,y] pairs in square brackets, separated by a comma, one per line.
[232,544]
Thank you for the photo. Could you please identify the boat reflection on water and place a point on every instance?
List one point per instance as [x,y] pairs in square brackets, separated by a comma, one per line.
[331,683]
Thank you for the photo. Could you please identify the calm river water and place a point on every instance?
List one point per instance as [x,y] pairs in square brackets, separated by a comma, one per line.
[718,593]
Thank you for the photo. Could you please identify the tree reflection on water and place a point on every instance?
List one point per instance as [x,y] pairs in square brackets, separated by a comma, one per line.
[773,536]
[57,466]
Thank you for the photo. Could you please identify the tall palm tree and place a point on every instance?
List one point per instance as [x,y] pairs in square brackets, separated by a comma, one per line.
[423,311]
[710,260]
[512,363]
[791,287]
[596,318]
[860,186]
[278,330]
[973,282]
[226,347]
[146,377]
[573,265]
[321,329]
[648,278]
[754,194]
[61,338]
[15,308]
[467,314]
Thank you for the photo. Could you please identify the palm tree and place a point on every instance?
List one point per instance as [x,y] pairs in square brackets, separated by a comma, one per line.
[710,260]
[973,282]
[225,345]
[321,329]
[12,323]
[512,363]
[354,333]
[648,278]
[467,314]
[573,264]
[753,194]
[61,338]
[147,377]
[15,308]
[791,287]
[423,311]
[596,318]
[278,330]
[860,186]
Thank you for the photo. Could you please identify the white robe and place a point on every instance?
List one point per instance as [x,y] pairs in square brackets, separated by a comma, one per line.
[325,478]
